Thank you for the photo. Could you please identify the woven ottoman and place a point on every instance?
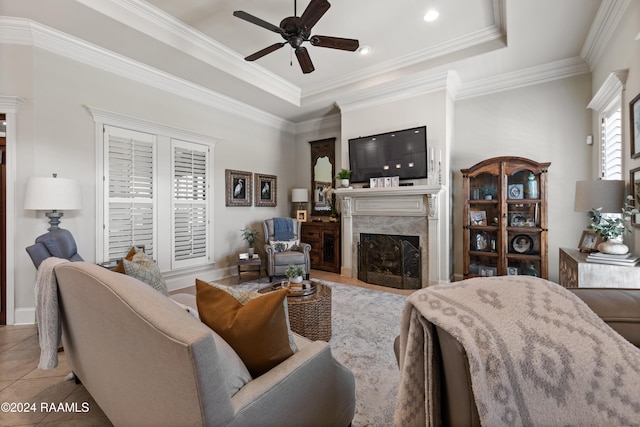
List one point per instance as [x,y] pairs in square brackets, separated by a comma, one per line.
[309,315]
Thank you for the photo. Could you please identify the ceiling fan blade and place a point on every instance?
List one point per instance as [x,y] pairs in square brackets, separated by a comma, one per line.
[257,21]
[313,13]
[335,43]
[259,54]
[305,60]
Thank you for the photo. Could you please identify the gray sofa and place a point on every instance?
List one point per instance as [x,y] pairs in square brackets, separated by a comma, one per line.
[147,362]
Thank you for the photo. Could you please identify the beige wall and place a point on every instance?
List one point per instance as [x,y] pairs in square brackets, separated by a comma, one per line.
[56,134]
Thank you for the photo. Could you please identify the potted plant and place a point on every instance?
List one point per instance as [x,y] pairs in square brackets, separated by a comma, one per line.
[294,273]
[612,228]
[251,236]
[342,179]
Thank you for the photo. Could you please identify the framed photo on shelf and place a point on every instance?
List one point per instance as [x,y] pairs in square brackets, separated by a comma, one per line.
[589,241]
[634,184]
[634,120]
[478,217]
[301,216]
[488,271]
[238,186]
[515,191]
[518,219]
[521,244]
[266,190]
[512,271]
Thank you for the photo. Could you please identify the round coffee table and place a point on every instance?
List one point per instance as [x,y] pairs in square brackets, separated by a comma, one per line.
[309,315]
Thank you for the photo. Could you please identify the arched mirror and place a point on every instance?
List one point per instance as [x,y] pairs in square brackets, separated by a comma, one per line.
[323,169]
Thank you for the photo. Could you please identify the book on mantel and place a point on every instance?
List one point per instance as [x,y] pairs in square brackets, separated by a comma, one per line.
[629,259]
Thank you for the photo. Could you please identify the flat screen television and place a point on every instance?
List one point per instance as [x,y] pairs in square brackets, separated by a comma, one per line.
[401,153]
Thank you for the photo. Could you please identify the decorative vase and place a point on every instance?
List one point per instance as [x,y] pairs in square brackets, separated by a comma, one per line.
[297,279]
[342,183]
[532,186]
[251,251]
[613,246]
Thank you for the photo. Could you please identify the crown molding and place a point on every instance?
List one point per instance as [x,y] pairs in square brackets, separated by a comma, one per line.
[526,77]
[608,17]
[10,104]
[419,84]
[612,86]
[332,121]
[164,27]
[488,34]
[26,32]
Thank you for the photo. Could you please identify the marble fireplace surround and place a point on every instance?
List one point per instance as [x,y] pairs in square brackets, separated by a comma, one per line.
[411,210]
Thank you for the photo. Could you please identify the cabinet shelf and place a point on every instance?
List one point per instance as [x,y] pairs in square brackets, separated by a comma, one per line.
[513,223]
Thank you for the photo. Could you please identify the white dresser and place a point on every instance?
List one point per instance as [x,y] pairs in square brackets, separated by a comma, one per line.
[576,272]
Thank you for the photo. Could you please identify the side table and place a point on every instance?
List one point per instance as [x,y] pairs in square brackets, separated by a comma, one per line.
[576,272]
[251,263]
[310,315]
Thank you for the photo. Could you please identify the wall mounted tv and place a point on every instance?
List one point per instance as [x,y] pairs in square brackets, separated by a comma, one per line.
[401,153]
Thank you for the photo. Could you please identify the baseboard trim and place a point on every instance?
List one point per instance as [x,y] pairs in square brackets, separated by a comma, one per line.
[24,316]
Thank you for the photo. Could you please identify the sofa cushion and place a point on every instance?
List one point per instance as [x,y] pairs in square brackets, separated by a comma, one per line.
[143,268]
[256,330]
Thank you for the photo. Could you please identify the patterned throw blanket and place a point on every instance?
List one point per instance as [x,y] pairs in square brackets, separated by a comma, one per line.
[537,355]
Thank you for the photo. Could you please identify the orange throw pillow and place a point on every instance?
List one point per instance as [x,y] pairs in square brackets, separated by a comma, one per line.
[120,267]
[257,331]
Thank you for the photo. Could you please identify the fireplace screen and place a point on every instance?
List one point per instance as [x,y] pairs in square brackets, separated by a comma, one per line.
[390,260]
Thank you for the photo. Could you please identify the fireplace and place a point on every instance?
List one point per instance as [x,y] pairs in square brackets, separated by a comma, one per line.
[401,211]
[390,260]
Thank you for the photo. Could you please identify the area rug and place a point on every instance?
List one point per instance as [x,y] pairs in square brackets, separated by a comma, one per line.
[364,324]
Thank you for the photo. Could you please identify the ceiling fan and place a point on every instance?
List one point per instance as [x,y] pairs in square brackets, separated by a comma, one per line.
[296,30]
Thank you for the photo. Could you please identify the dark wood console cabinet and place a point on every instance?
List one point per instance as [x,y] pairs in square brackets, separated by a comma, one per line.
[324,238]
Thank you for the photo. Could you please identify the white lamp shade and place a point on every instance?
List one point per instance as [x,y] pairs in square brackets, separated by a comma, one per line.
[607,194]
[299,195]
[50,194]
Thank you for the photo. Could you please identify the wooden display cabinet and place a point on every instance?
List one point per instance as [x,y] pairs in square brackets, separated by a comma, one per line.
[324,238]
[505,218]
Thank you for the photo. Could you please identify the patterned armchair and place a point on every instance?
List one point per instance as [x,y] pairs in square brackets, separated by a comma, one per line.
[279,258]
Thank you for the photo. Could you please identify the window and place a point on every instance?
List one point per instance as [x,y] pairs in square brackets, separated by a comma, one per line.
[129,186]
[190,197]
[155,190]
[611,143]
[608,103]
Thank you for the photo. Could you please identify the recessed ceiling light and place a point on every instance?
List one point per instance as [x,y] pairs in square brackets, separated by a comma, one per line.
[431,15]
[363,50]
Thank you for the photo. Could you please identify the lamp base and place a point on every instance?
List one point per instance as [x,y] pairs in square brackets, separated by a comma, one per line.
[54,219]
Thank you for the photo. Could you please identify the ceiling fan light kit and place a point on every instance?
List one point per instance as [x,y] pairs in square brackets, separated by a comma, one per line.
[297,30]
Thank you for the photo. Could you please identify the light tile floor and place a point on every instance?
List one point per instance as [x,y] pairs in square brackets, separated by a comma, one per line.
[21,382]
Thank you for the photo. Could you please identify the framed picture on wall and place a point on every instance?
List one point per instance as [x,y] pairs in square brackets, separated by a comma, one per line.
[266,190]
[634,120]
[238,185]
[634,184]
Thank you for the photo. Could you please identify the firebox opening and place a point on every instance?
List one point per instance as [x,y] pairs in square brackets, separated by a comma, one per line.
[390,260]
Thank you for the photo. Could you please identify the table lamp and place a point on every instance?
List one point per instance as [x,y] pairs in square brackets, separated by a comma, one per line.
[300,196]
[52,195]
[607,194]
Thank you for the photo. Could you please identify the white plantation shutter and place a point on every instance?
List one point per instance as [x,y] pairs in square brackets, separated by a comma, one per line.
[611,128]
[129,186]
[190,203]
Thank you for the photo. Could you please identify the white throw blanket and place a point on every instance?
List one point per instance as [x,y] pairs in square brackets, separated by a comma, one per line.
[537,355]
[48,313]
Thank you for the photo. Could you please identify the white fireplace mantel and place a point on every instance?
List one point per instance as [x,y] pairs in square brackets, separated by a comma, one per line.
[421,202]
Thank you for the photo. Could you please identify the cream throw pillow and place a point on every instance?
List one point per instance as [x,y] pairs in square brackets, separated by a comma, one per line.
[143,268]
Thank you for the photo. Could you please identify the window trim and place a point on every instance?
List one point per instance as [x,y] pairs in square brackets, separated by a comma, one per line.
[606,98]
[163,133]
